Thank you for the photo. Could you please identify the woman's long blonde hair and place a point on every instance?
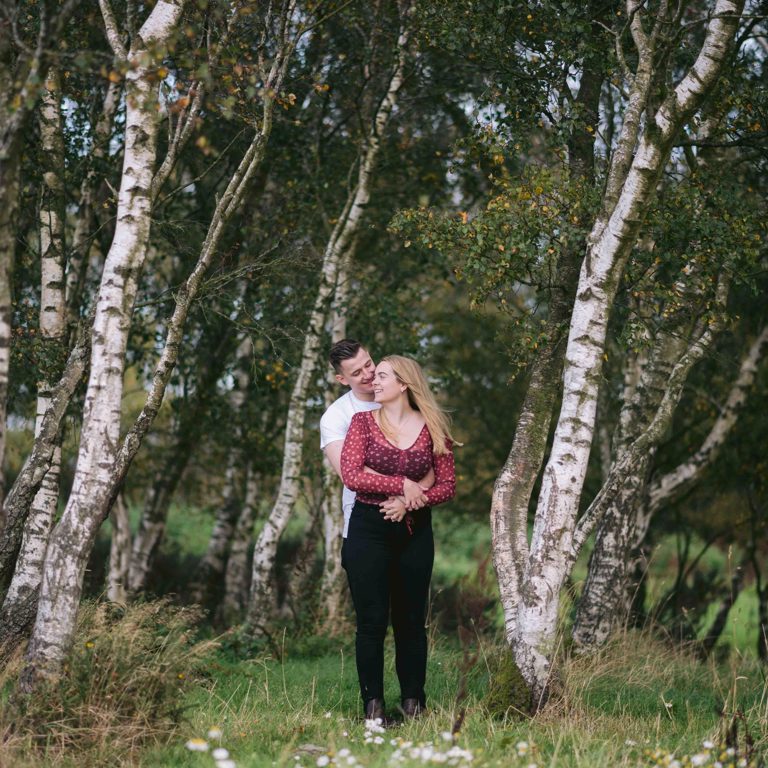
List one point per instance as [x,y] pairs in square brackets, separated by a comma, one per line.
[421,399]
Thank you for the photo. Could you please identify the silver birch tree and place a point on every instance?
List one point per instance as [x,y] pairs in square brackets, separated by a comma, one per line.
[539,569]
[25,56]
[28,572]
[261,595]
[72,539]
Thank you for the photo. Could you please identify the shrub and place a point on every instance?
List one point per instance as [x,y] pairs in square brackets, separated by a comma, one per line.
[122,686]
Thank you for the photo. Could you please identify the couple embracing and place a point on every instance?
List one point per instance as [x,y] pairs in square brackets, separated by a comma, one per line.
[390,442]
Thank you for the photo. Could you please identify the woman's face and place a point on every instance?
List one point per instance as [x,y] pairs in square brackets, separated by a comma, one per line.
[386,387]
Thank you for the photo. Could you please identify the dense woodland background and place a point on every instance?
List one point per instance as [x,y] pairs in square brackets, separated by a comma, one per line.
[557,208]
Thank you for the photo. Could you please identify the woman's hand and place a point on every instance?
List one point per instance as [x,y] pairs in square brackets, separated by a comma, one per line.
[394,509]
[414,495]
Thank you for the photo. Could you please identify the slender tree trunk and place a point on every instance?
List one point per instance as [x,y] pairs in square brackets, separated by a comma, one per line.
[261,597]
[72,539]
[23,72]
[213,565]
[29,565]
[119,552]
[237,575]
[9,183]
[212,357]
[614,234]
[515,482]
[77,261]
[708,643]
[606,598]
[214,562]
[333,589]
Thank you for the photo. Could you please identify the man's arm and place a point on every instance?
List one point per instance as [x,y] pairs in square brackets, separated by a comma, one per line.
[333,454]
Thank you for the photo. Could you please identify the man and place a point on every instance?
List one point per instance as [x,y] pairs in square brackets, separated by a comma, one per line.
[354,369]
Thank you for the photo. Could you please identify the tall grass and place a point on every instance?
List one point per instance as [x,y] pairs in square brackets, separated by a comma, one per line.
[123,688]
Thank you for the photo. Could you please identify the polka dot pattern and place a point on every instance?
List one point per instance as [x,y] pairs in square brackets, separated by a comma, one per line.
[367,446]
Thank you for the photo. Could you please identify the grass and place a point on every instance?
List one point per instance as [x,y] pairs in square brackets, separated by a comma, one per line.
[632,704]
[271,711]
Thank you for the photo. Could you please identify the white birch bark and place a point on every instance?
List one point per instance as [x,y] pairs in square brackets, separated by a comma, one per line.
[515,482]
[73,537]
[29,565]
[81,237]
[332,586]
[119,552]
[671,485]
[626,517]
[535,623]
[261,597]
[23,71]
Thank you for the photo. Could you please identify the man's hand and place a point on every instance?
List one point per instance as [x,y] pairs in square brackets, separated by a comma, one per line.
[394,509]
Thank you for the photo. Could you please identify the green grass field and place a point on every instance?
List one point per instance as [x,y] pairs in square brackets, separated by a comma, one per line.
[638,702]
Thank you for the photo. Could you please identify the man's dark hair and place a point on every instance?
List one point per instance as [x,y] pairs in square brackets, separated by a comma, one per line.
[343,350]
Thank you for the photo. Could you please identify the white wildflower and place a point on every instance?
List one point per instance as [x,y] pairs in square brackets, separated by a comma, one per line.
[378,740]
[225,764]
[327,715]
[730,751]
[220,753]
[630,743]
[351,760]
[446,736]
[322,761]
[197,745]
[699,759]
[707,744]
[343,752]
[215,732]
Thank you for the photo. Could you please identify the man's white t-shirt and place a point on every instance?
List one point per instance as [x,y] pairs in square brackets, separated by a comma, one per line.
[334,425]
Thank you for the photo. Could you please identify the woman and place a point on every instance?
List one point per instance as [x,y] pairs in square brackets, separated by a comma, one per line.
[388,553]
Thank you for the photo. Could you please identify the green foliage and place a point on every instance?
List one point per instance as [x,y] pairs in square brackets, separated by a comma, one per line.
[123,686]
[507,253]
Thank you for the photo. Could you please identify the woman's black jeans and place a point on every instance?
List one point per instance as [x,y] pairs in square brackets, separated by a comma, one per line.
[389,568]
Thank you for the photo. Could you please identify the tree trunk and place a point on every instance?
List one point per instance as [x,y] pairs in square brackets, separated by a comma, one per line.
[77,261]
[72,539]
[119,553]
[212,356]
[37,463]
[213,565]
[708,643]
[604,603]
[333,589]
[29,565]
[237,575]
[515,482]
[23,72]
[261,597]
[214,562]
[613,235]
[9,184]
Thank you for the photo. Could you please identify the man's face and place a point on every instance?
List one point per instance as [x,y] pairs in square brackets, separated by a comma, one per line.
[357,373]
